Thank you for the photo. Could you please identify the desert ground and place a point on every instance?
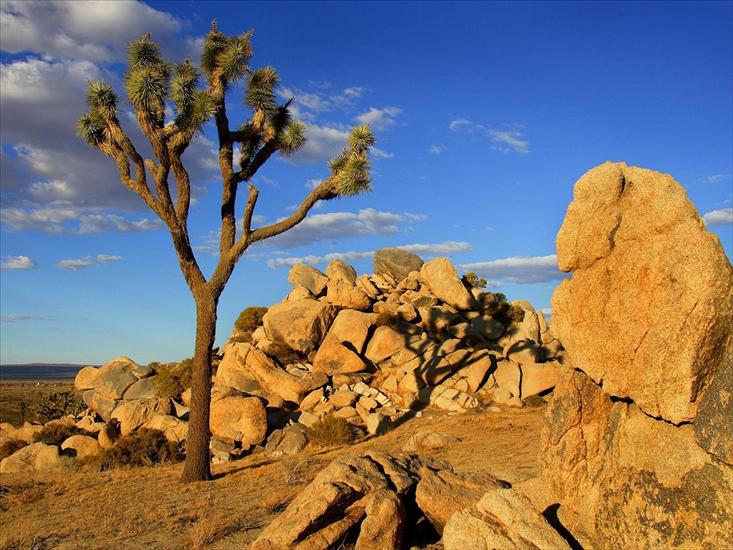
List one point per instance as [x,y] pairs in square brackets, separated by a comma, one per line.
[149,508]
[12,393]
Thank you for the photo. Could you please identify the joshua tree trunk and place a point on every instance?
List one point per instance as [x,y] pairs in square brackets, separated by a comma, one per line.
[197,445]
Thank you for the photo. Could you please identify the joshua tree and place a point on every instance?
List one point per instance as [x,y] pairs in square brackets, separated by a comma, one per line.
[151,82]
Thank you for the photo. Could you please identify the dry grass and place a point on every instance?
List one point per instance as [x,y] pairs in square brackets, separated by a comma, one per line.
[141,508]
[331,431]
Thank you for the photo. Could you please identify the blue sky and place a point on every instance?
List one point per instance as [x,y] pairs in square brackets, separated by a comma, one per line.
[485,115]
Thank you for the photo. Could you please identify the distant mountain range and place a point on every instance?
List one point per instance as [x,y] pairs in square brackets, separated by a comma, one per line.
[40,371]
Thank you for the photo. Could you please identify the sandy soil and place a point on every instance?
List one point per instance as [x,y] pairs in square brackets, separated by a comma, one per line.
[149,508]
[12,393]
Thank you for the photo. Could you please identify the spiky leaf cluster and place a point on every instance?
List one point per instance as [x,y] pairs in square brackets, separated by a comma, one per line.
[193,106]
[102,102]
[352,166]
[229,54]
[148,78]
[90,128]
[292,138]
[260,94]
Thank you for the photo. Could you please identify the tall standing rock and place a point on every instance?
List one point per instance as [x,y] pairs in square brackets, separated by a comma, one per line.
[636,450]
[442,279]
[649,308]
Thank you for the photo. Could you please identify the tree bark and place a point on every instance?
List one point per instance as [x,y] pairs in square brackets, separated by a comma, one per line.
[197,466]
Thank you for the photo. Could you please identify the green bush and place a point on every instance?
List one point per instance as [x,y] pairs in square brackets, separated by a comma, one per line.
[250,319]
[495,304]
[472,280]
[174,378]
[145,447]
[57,433]
[56,405]
[10,447]
[331,431]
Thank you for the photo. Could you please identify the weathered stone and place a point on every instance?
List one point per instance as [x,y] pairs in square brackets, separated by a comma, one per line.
[538,378]
[346,295]
[115,377]
[36,457]
[428,440]
[333,357]
[133,414]
[173,428]
[502,518]
[377,424]
[108,435]
[362,494]
[21,433]
[385,342]
[299,324]
[307,277]
[339,270]
[142,371]
[442,279]
[471,375]
[649,308]
[714,421]
[627,477]
[102,405]
[311,400]
[232,371]
[523,351]
[240,418]
[365,285]
[85,378]
[352,327]
[144,388]
[89,424]
[298,293]
[343,398]
[396,263]
[442,493]
[487,327]
[82,446]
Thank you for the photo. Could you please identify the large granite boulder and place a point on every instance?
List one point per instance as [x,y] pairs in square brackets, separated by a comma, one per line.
[239,418]
[299,324]
[352,328]
[396,263]
[85,378]
[444,283]
[81,446]
[649,308]
[115,377]
[133,414]
[36,457]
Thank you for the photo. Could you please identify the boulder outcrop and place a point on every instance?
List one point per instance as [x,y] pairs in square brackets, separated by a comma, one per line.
[396,263]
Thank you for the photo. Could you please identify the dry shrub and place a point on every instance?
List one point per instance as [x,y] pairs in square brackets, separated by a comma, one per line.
[472,280]
[56,405]
[174,378]
[209,529]
[10,447]
[17,495]
[331,431]
[250,319]
[57,433]
[145,447]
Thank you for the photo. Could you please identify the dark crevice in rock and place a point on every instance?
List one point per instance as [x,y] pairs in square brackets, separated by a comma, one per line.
[550,514]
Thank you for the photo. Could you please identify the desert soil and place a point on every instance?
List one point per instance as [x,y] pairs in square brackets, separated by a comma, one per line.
[148,508]
[12,393]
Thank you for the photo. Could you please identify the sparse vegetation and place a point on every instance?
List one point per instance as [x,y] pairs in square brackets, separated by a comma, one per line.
[174,378]
[495,304]
[331,431]
[10,447]
[145,447]
[56,433]
[472,280]
[250,319]
[56,405]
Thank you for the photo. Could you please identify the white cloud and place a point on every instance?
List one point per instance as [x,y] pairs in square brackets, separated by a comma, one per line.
[91,30]
[106,258]
[323,143]
[379,119]
[319,102]
[379,153]
[312,184]
[506,140]
[436,149]
[65,217]
[533,269]
[338,225]
[415,217]
[16,318]
[546,311]
[718,178]
[723,216]
[17,262]
[431,249]
[75,264]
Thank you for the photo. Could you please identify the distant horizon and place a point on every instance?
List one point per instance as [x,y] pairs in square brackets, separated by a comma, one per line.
[485,115]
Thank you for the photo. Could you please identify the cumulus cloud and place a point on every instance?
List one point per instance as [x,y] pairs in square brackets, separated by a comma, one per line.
[319,102]
[323,143]
[428,249]
[92,30]
[533,269]
[512,138]
[379,119]
[75,264]
[17,262]
[436,149]
[723,216]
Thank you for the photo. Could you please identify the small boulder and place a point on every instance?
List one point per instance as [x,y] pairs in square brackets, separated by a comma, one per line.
[299,324]
[442,279]
[333,357]
[307,277]
[86,378]
[352,327]
[82,446]
[115,377]
[36,457]
[396,263]
[538,378]
[133,414]
[339,270]
[145,388]
[343,294]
